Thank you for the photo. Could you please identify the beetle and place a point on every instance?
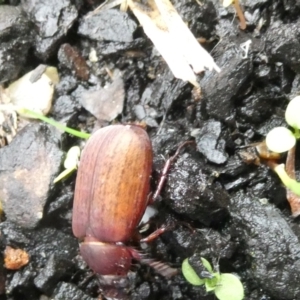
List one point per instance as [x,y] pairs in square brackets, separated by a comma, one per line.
[112,192]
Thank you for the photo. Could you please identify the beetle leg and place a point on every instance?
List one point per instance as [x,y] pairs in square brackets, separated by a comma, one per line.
[160,267]
[165,171]
[156,233]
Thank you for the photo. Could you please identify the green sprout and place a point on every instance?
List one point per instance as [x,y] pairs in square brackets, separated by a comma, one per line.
[281,139]
[290,183]
[27,113]
[225,286]
[70,164]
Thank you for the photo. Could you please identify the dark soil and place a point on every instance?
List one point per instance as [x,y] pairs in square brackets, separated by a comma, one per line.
[232,213]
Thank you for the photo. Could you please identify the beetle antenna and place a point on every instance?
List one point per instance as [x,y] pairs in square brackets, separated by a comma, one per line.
[160,267]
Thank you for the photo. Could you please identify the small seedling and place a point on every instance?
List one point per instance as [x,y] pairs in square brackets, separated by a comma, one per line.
[72,158]
[70,164]
[281,139]
[225,286]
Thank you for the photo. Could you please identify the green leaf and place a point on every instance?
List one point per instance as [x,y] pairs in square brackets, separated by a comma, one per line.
[280,139]
[206,265]
[217,276]
[292,116]
[190,275]
[229,288]
[211,284]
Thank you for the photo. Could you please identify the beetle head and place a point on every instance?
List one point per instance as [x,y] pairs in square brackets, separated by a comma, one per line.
[106,258]
[115,287]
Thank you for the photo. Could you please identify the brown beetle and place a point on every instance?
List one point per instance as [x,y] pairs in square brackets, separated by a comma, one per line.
[111,195]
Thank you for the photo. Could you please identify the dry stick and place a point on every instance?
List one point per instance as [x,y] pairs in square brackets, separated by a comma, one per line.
[107,4]
[240,14]
[293,199]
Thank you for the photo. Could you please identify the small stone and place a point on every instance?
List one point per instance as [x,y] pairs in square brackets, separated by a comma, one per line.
[210,143]
[282,44]
[110,25]
[107,103]
[15,259]
[69,291]
[219,91]
[56,267]
[36,96]
[53,20]
[28,166]
[15,40]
